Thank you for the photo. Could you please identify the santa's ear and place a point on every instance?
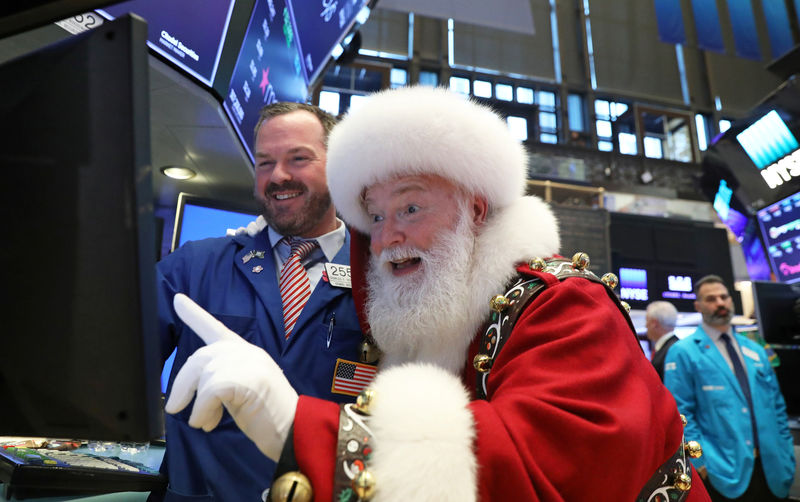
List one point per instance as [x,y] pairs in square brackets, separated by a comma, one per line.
[480,208]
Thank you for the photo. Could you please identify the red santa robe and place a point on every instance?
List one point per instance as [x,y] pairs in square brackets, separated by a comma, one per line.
[574,410]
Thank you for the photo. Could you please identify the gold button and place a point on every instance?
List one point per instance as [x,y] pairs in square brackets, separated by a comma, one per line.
[482,363]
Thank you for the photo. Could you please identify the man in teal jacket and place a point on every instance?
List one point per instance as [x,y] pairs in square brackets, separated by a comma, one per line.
[726,388]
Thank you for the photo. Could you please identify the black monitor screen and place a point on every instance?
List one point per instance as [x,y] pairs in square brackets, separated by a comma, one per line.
[79,335]
[780,229]
[186,32]
[267,70]
[774,305]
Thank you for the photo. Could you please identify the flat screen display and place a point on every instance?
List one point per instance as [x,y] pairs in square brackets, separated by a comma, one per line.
[774,305]
[200,218]
[80,331]
[186,32]
[267,70]
[638,286]
[321,27]
[780,229]
[767,140]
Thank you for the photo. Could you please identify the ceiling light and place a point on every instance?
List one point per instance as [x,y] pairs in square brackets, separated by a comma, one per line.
[178,172]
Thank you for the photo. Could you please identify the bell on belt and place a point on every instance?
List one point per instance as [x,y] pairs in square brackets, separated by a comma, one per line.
[482,363]
[683,482]
[291,487]
[368,352]
[537,264]
[499,303]
[580,261]
[364,401]
[683,420]
[626,306]
[693,449]
[364,485]
[610,280]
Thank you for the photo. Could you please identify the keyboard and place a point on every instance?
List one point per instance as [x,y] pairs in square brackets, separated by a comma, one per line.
[27,472]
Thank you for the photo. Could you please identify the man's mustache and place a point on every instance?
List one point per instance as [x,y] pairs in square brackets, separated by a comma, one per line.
[272,188]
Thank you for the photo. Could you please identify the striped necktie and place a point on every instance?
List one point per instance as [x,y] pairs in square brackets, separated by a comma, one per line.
[294,283]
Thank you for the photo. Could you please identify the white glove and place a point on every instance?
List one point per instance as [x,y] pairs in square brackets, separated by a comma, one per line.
[252,229]
[236,374]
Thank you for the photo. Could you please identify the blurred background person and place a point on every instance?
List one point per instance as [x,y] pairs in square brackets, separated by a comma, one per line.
[660,320]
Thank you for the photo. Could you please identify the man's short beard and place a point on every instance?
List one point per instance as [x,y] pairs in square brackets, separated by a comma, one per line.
[714,319]
[297,222]
[422,316]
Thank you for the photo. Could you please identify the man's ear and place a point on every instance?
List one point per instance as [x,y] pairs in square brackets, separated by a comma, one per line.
[480,209]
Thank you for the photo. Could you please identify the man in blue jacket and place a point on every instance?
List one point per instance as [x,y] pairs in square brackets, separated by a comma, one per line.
[254,284]
[725,386]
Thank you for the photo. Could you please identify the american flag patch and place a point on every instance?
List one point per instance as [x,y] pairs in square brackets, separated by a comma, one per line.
[350,377]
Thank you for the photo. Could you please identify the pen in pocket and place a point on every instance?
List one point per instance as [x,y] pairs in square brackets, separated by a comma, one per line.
[331,324]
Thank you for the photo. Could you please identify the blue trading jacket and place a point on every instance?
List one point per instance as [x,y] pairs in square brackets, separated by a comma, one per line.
[224,464]
[717,414]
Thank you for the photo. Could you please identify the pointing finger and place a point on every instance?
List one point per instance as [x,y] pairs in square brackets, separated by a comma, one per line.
[208,328]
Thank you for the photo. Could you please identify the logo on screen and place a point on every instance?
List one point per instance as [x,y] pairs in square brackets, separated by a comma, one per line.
[328,9]
[767,140]
[679,283]
[769,143]
[633,284]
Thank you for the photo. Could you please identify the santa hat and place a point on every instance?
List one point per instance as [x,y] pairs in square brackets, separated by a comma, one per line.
[423,130]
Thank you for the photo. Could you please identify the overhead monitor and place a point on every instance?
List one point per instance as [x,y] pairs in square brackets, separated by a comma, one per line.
[767,140]
[267,70]
[759,155]
[188,33]
[322,27]
[79,337]
[780,230]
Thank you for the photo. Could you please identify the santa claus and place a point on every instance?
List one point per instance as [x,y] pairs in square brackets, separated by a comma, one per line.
[507,372]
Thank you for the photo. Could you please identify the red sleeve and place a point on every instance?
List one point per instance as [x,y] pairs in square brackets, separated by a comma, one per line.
[316,427]
[574,411]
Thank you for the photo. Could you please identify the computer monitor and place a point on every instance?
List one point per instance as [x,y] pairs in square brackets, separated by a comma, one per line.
[200,218]
[774,306]
[79,338]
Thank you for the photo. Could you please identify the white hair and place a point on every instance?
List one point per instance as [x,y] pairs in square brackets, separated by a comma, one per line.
[663,312]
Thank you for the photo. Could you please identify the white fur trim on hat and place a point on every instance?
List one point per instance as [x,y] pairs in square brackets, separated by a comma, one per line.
[423,130]
[423,432]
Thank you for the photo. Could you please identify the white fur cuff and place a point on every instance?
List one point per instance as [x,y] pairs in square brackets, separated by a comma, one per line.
[423,435]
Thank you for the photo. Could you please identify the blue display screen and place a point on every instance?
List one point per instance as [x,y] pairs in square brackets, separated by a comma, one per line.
[767,140]
[780,229]
[322,27]
[267,70]
[187,32]
[200,222]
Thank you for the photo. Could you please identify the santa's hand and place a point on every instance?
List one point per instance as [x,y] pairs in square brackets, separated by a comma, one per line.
[252,229]
[236,374]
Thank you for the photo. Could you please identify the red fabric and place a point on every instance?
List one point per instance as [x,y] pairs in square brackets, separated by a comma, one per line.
[574,410]
[316,428]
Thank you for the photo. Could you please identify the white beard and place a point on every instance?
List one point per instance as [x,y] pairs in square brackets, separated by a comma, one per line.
[424,317]
[433,314]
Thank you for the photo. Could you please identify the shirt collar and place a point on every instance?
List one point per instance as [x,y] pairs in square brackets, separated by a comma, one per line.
[661,341]
[713,332]
[329,243]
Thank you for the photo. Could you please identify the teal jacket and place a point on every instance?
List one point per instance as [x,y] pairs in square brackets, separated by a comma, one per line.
[717,414]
